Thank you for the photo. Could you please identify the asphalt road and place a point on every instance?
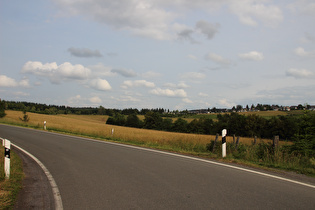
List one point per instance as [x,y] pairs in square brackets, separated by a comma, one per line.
[98,175]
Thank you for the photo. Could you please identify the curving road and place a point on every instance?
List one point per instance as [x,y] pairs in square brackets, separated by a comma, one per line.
[99,175]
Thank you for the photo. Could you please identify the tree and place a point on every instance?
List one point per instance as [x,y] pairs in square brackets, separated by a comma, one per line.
[25,117]
[2,109]
[305,135]
[180,125]
[133,121]
[153,120]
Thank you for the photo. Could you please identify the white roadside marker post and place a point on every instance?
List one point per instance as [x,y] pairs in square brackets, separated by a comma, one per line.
[112,131]
[44,125]
[224,143]
[7,147]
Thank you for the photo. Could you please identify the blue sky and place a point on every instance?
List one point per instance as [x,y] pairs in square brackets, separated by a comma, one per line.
[177,54]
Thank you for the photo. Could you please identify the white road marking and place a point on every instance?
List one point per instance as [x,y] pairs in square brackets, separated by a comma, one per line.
[53,184]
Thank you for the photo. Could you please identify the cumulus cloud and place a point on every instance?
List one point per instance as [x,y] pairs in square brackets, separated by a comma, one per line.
[101,71]
[208,29]
[55,73]
[95,100]
[193,57]
[187,100]
[84,52]
[218,59]
[140,17]
[6,81]
[151,74]
[158,19]
[100,84]
[180,93]
[253,56]
[250,12]
[125,72]
[203,94]
[194,75]
[302,53]
[306,7]
[137,83]
[300,73]
[225,103]
[180,85]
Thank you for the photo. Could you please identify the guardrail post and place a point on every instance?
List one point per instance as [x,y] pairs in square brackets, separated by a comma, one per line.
[7,148]
[215,141]
[224,143]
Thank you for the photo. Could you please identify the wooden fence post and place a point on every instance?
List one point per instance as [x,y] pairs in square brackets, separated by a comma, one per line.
[255,140]
[237,142]
[275,141]
[215,141]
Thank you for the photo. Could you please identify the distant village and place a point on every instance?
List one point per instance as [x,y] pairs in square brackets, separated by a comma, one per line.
[258,108]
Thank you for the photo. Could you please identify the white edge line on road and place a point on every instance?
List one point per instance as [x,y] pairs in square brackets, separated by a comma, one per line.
[191,158]
[53,184]
[211,162]
[186,157]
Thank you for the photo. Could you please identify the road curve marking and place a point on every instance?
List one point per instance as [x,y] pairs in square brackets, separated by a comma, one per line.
[53,184]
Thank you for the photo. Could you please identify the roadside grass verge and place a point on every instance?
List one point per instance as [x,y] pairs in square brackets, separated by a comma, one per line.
[9,188]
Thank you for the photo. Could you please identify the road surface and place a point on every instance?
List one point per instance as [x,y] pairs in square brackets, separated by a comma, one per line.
[99,175]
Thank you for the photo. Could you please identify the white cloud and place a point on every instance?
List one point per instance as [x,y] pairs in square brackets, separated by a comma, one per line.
[55,73]
[101,71]
[187,100]
[10,82]
[140,17]
[194,75]
[100,84]
[203,94]
[302,53]
[151,74]
[218,59]
[126,99]
[226,103]
[137,83]
[159,19]
[125,72]
[75,100]
[306,7]
[7,81]
[250,12]
[95,100]
[84,52]
[169,93]
[300,73]
[253,55]
[180,85]
[192,57]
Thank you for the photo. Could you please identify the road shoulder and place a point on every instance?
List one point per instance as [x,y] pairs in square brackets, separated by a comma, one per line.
[36,192]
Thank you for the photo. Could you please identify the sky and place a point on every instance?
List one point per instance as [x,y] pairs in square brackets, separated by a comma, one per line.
[176,55]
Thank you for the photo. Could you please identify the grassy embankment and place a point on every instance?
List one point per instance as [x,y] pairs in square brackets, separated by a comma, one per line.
[9,188]
[94,126]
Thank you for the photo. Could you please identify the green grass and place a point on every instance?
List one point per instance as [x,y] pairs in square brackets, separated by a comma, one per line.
[9,188]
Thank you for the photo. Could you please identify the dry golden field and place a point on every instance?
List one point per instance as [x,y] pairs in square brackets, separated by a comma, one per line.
[94,125]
